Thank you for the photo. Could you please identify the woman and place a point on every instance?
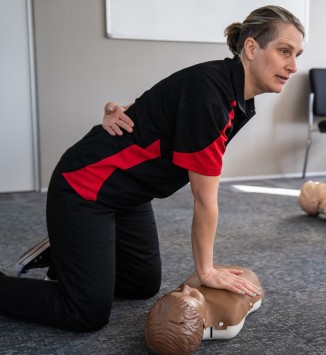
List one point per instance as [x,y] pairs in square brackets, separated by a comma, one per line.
[100,221]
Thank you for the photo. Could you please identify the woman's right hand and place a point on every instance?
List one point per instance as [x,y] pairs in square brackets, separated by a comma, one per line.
[230,279]
[114,119]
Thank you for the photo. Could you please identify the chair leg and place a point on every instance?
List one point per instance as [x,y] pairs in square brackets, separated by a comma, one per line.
[306,157]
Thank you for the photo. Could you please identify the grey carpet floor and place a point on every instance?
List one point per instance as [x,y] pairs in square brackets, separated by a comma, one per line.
[265,232]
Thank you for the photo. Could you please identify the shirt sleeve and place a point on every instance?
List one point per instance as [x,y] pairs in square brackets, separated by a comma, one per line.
[200,137]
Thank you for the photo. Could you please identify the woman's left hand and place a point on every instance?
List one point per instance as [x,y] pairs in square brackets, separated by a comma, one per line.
[114,119]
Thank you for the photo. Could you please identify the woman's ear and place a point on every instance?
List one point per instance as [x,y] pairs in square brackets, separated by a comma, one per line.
[249,48]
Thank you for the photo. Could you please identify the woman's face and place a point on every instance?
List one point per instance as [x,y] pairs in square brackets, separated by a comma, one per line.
[268,69]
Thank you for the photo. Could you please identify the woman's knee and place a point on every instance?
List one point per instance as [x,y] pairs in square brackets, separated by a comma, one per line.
[151,282]
[88,319]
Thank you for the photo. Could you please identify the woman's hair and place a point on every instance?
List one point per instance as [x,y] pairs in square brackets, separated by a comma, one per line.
[261,25]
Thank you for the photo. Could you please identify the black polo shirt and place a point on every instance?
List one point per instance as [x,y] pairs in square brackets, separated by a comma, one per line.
[182,123]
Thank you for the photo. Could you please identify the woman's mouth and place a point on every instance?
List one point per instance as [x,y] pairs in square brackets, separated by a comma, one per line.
[282,79]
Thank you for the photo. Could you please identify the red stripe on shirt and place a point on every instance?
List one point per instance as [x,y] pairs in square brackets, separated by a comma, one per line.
[87,181]
[209,160]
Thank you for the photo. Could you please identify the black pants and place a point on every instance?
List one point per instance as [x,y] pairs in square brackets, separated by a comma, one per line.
[98,252]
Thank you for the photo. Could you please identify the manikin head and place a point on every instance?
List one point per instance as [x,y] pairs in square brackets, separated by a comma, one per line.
[179,320]
[175,324]
[312,198]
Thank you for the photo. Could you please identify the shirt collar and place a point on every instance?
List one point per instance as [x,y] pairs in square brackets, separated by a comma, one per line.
[238,78]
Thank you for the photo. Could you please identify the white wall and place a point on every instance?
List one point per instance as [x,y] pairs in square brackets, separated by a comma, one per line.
[16,132]
[79,69]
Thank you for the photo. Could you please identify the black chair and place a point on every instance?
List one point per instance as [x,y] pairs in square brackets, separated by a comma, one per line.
[317,108]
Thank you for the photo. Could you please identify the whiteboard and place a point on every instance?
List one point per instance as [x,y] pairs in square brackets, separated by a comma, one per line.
[186,20]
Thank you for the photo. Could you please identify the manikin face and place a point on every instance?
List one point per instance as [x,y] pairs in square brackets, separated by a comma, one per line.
[312,198]
[315,190]
[193,297]
[268,69]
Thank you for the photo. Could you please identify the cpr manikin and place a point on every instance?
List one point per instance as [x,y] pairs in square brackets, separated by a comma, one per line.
[312,198]
[182,318]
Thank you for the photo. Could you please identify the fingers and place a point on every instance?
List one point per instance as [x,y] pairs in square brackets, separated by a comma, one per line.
[111,130]
[243,286]
[114,123]
[115,120]
[126,123]
[114,128]
[228,279]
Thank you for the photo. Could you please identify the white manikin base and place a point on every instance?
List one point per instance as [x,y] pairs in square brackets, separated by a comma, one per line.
[211,333]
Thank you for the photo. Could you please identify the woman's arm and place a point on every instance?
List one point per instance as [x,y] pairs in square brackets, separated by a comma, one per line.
[204,226]
[114,119]
[204,223]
